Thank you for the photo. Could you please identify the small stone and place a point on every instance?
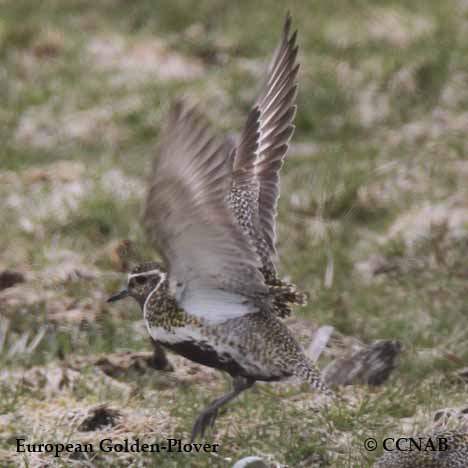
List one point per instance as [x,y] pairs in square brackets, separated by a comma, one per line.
[8,278]
[250,462]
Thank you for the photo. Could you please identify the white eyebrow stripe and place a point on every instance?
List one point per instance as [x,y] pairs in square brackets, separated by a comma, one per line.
[145,273]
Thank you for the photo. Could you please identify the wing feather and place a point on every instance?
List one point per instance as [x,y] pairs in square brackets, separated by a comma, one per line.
[258,165]
[212,267]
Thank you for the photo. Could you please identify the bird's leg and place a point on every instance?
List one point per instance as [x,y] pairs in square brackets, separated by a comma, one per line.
[209,414]
[160,360]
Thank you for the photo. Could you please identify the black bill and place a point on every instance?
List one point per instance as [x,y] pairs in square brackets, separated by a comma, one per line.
[120,295]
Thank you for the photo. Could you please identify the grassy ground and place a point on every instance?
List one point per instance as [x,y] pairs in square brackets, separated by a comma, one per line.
[373,216]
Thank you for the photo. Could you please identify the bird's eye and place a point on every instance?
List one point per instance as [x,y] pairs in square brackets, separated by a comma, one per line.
[140,279]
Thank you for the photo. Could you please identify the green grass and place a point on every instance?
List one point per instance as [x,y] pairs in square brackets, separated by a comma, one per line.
[382,106]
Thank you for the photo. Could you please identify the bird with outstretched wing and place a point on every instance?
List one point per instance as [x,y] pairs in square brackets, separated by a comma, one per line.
[210,212]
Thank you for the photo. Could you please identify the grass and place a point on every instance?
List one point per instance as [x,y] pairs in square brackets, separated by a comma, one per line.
[372,220]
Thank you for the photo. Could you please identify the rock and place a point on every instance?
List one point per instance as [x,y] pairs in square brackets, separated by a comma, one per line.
[371,365]
[250,462]
[463,374]
[8,278]
[98,417]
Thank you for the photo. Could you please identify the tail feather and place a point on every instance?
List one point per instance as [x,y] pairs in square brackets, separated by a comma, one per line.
[311,374]
[285,297]
[285,294]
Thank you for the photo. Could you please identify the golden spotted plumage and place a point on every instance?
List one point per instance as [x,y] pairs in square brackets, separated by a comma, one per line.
[455,455]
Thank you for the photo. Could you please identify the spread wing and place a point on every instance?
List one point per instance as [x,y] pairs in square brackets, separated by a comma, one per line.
[264,140]
[212,267]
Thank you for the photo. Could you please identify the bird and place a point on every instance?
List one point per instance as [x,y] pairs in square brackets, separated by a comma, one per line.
[210,212]
[453,453]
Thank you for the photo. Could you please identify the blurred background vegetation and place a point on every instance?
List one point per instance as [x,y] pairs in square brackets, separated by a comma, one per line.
[373,215]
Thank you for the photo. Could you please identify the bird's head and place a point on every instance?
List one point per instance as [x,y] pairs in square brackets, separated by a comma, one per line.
[141,282]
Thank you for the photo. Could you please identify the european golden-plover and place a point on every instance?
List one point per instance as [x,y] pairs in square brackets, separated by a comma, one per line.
[210,212]
[442,449]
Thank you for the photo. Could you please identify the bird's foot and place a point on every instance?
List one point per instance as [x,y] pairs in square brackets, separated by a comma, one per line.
[205,420]
[159,360]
